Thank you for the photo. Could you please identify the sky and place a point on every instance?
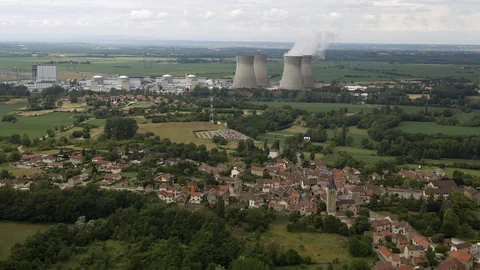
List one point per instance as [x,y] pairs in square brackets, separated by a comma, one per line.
[352,21]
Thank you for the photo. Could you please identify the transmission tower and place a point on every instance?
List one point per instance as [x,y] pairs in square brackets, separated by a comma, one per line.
[212,111]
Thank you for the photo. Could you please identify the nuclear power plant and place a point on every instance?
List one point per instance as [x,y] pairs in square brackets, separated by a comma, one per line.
[261,70]
[252,72]
[292,78]
[307,71]
[245,73]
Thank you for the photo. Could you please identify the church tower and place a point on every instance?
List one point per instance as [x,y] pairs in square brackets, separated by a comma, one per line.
[331,197]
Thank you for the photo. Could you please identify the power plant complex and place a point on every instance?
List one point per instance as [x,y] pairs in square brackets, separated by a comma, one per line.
[252,72]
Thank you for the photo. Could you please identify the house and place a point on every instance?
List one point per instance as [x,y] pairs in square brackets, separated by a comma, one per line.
[405,267]
[112,177]
[257,171]
[76,159]
[234,173]
[31,157]
[49,159]
[77,179]
[97,159]
[420,261]
[168,197]
[255,202]
[196,198]
[383,266]
[462,248]
[55,165]
[472,194]
[464,258]
[440,188]
[407,174]
[450,264]
[381,225]
[267,185]
[273,153]
[420,240]
[400,227]
[385,253]
[413,251]
[164,177]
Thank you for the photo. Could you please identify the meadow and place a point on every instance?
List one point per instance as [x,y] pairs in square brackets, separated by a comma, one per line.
[352,108]
[16,232]
[433,128]
[323,71]
[36,126]
[181,132]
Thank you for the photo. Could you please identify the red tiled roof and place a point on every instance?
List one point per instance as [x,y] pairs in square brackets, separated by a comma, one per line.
[420,260]
[384,266]
[462,257]
[421,240]
[385,252]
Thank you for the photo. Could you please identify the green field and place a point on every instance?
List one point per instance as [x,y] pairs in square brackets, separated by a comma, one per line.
[36,126]
[326,71]
[11,106]
[16,232]
[322,248]
[433,128]
[352,108]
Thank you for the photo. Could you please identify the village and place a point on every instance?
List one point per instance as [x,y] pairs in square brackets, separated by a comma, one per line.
[279,185]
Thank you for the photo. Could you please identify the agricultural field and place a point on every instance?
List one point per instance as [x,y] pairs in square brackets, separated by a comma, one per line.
[12,105]
[323,71]
[20,172]
[433,128]
[16,232]
[181,132]
[323,248]
[36,126]
[352,108]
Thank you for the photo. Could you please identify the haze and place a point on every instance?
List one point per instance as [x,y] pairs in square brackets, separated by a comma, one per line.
[383,21]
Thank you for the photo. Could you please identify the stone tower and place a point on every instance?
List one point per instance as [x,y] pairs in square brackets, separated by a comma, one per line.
[331,197]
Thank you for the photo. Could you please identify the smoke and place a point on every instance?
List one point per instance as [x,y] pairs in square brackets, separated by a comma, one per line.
[315,45]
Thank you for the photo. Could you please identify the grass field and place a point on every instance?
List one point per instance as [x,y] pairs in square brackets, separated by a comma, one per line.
[352,108]
[15,232]
[181,132]
[20,172]
[323,248]
[326,71]
[36,126]
[11,106]
[433,128]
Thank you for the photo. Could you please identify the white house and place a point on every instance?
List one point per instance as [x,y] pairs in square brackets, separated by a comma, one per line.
[195,198]
[234,173]
[274,153]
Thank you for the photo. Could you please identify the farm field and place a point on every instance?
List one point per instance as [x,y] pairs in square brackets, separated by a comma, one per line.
[323,248]
[433,128]
[7,107]
[352,108]
[20,172]
[181,132]
[323,71]
[364,155]
[36,126]
[16,232]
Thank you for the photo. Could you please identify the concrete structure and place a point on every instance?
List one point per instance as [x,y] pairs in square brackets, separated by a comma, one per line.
[191,82]
[261,70]
[331,197]
[307,71]
[44,76]
[245,73]
[292,78]
[124,81]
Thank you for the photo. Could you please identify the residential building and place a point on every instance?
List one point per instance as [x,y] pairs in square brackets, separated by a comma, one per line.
[196,198]
[168,197]
[414,251]
[462,248]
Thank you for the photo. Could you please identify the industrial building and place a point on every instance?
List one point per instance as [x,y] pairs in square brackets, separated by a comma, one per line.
[44,76]
[307,71]
[261,70]
[245,73]
[177,85]
[100,83]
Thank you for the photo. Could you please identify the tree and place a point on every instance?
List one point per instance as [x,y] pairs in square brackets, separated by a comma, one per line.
[364,212]
[349,213]
[15,156]
[120,128]
[341,138]
[429,232]
[450,224]
[312,156]
[26,140]
[358,264]
[50,133]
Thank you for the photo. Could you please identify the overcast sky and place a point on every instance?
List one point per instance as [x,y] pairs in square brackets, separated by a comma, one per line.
[380,21]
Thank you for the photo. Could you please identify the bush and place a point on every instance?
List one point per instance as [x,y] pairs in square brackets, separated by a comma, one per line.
[9,118]
[77,134]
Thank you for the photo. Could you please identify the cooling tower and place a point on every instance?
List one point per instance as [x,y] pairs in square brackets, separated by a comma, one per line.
[292,78]
[261,71]
[307,71]
[245,74]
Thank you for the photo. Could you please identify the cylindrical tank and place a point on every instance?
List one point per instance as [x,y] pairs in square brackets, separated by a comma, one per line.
[98,79]
[261,70]
[307,71]
[292,78]
[245,73]
[191,82]
[125,82]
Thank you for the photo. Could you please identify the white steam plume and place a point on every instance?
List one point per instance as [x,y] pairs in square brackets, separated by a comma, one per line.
[315,45]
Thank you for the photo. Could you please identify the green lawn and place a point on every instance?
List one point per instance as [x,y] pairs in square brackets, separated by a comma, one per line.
[433,128]
[16,232]
[323,248]
[36,126]
[10,107]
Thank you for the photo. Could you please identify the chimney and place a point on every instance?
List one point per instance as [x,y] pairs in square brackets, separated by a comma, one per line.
[292,78]
[245,74]
[261,71]
[307,71]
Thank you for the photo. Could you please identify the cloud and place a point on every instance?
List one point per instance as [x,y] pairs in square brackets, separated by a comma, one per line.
[141,15]
[275,14]
[334,15]
[163,15]
[236,13]
[209,15]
